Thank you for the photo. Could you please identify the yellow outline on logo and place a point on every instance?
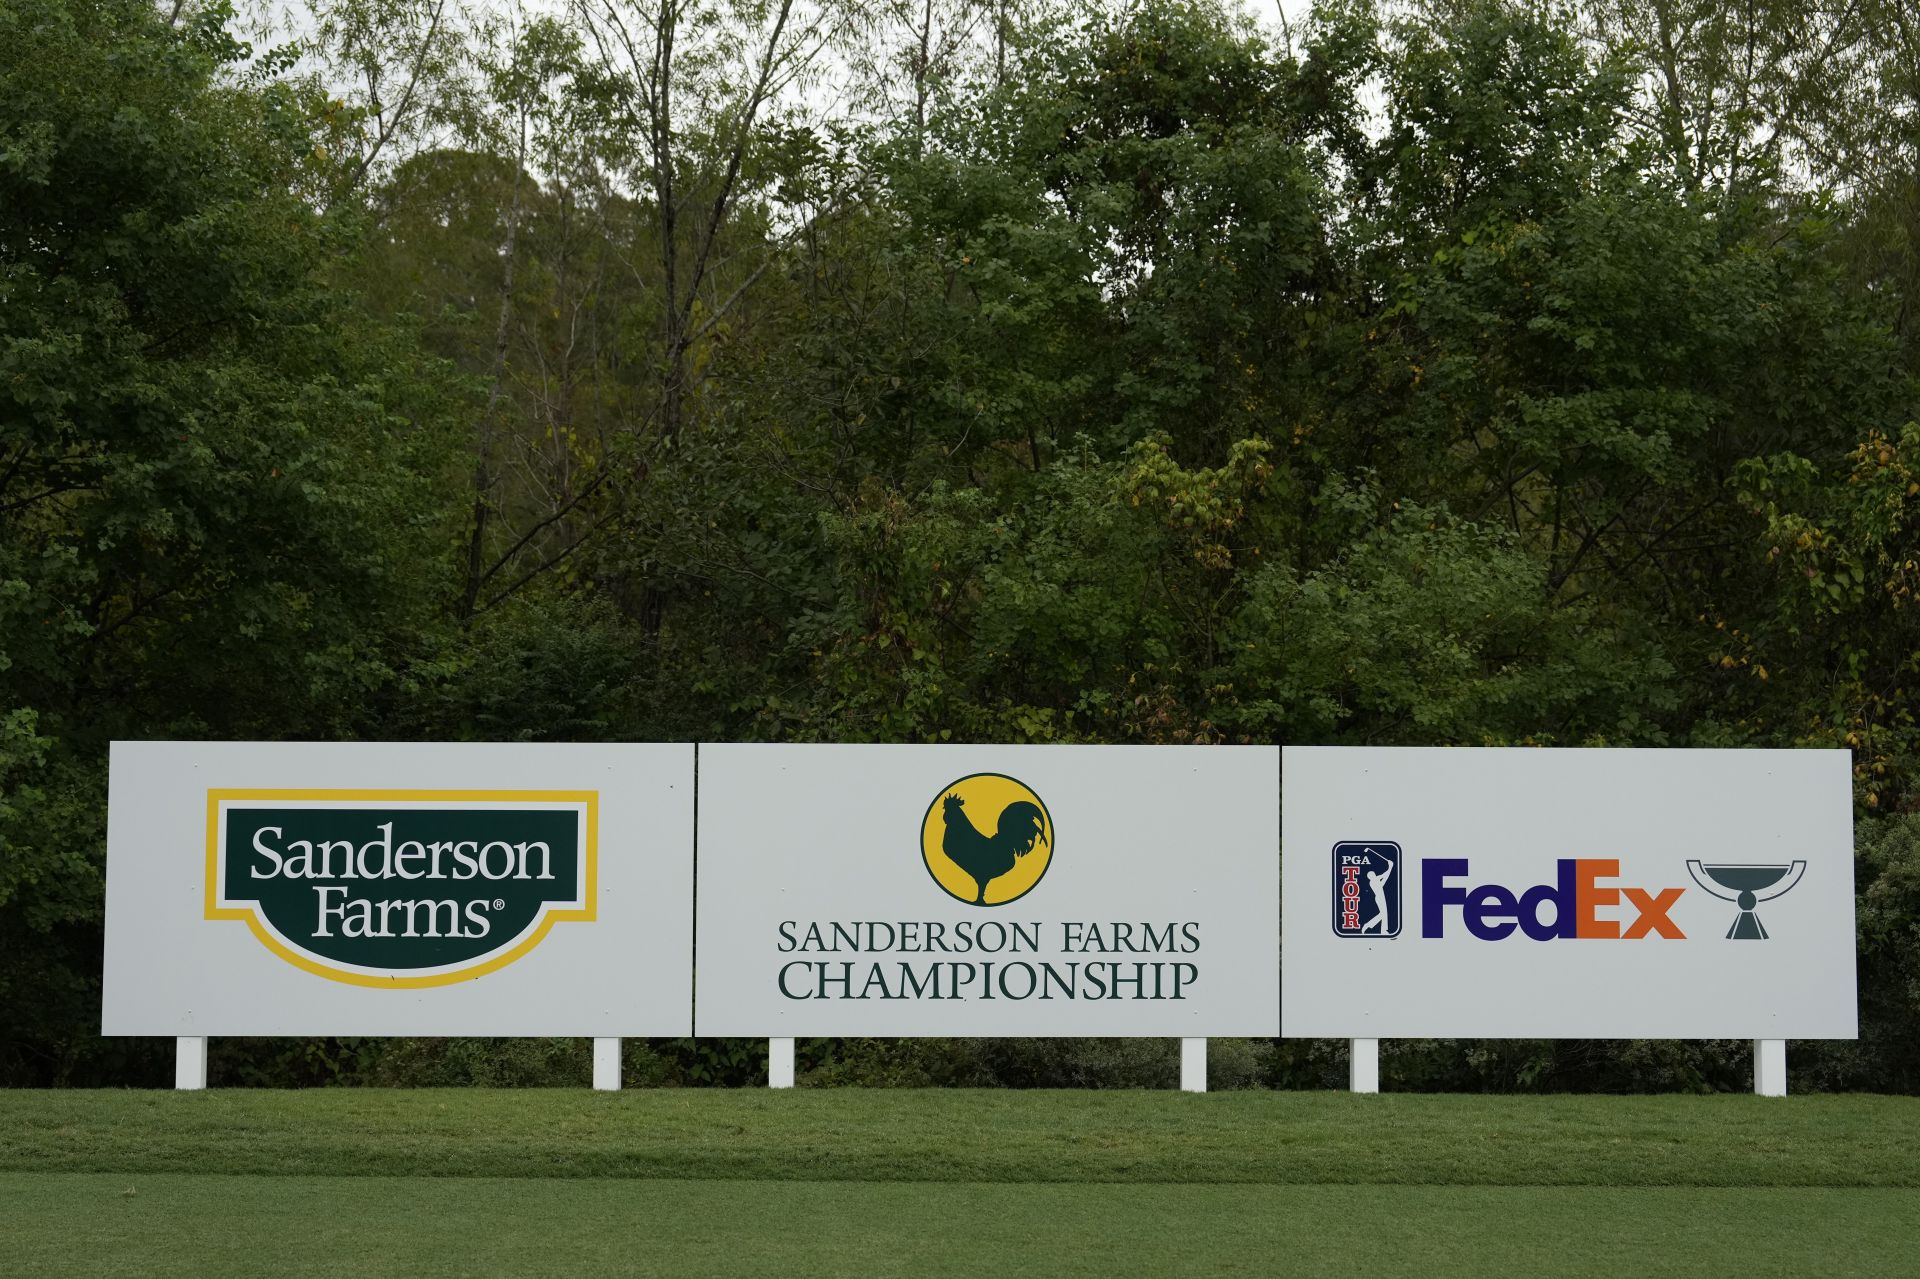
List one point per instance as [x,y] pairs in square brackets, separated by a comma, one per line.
[252,917]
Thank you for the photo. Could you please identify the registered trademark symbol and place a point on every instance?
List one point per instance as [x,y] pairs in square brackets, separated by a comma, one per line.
[499,903]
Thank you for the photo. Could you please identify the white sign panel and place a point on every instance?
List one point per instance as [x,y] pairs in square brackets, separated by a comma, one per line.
[385,889]
[1593,894]
[987,890]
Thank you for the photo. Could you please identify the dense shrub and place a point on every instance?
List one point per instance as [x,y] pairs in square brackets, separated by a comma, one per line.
[1418,381]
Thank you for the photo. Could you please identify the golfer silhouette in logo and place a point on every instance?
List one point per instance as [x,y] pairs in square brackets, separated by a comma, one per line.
[1377,881]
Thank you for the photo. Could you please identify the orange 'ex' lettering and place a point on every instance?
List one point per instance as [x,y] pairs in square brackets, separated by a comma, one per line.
[1589,897]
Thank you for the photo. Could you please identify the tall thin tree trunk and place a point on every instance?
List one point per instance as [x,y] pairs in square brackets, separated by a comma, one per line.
[673,329]
[1000,43]
[483,477]
[920,72]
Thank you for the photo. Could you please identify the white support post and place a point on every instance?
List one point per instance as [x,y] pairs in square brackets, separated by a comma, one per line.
[1770,1067]
[1193,1065]
[1363,1066]
[606,1065]
[780,1063]
[190,1063]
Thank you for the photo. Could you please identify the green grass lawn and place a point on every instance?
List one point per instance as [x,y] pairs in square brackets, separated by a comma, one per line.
[940,1182]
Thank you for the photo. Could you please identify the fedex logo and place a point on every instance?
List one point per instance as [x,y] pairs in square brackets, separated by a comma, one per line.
[1578,897]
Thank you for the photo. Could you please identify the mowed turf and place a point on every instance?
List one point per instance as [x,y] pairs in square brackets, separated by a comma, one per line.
[956,1135]
[96,1224]
[948,1182]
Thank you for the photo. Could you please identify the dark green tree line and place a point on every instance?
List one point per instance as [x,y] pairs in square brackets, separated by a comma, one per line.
[1467,373]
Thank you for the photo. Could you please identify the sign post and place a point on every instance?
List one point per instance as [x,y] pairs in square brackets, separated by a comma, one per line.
[1363,1065]
[1770,1067]
[1193,1065]
[780,1062]
[190,1063]
[606,1064]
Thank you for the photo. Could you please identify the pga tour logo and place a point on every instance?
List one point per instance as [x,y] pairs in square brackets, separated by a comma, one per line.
[1366,889]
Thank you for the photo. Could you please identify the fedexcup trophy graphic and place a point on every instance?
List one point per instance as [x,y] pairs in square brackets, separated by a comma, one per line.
[1746,886]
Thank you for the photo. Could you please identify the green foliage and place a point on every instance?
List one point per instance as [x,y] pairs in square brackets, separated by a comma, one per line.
[1431,630]
[1887,881]
[1126,378]
[300,1063]
[1830,656]
[1503,111]
[216,476]
[1002,1063]
[724,1063]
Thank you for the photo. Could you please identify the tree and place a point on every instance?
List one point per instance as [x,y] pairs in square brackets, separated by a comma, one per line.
[216,478]
[704,86]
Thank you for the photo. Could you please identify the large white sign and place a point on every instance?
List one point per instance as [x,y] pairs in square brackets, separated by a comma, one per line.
[380,889]
[988,890]
[1595,894]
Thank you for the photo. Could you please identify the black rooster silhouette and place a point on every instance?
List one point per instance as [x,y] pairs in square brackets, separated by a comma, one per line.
[986,858]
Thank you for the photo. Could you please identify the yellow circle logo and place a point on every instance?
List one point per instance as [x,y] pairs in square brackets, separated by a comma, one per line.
[987,839]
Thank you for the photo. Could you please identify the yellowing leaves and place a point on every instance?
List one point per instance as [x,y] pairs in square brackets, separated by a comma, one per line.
[1209,502]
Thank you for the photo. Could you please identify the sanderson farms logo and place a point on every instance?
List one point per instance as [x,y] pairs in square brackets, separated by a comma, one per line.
[987,839]
[401,888]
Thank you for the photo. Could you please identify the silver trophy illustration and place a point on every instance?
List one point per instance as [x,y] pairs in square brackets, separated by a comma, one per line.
[1745,885]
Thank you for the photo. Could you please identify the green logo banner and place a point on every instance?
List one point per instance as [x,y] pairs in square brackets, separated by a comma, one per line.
[401,889]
